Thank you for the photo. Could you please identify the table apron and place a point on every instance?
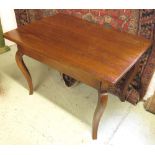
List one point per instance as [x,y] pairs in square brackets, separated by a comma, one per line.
[76,73]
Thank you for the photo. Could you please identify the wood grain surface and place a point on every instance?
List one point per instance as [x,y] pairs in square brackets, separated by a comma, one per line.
[85,51]
[104,53]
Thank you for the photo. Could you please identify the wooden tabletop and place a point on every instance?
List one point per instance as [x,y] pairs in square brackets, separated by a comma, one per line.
[105,53]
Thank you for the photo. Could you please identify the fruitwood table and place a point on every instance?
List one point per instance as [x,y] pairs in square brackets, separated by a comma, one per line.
[85,51]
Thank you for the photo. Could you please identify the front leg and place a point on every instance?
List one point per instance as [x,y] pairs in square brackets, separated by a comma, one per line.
[102,102]
[24,70]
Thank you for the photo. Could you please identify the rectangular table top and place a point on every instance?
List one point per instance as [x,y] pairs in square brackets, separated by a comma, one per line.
[106,54]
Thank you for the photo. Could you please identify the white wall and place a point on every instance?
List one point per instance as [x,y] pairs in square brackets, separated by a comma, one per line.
[8,21]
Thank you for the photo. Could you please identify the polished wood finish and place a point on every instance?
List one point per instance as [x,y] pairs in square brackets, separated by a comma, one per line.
[102,102]
[106,53]
[24,70]
[85,51]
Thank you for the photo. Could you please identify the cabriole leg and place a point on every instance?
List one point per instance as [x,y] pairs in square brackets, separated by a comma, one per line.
[102,102]
[24,70]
